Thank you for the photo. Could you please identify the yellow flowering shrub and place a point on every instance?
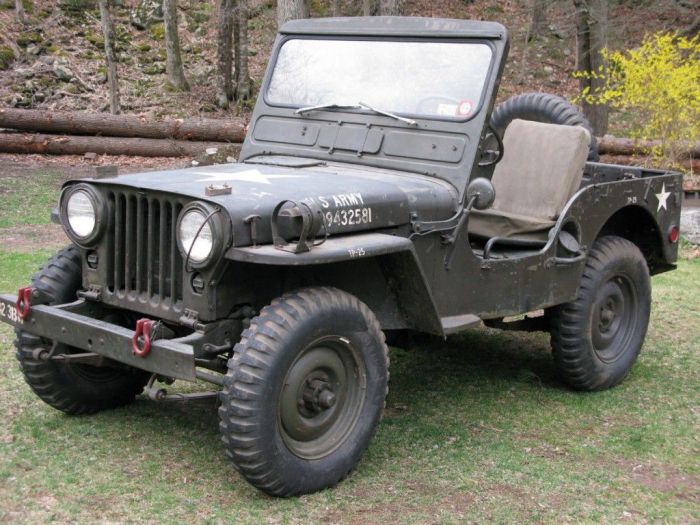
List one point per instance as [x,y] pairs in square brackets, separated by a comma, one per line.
[660,82]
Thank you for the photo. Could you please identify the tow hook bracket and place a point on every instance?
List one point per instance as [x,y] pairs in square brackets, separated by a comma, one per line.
[93,293]
[161,394]
[23,304]
[141,340]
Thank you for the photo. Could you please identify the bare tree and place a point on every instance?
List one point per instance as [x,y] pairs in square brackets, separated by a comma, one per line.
[291,9]
[224,51]
[112,78]
[243,82]
[173,63]
[538,22]
[591,38]
[693,29]
[390,7]
[335,8]
[19,12]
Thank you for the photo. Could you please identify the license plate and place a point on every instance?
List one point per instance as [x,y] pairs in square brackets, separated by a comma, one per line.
[8,312]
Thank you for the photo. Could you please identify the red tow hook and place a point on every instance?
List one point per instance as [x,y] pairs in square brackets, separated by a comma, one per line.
[144,328]
[24,296]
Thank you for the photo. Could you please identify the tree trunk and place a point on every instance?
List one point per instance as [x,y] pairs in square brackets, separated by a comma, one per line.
[538,22]
[390,7]
[231,130]
[291,10]
[591,34]
[366,7]
[173,63]
[243,82]
[19,12]
[693,29]
[67,145]
[225,51]
[335,8]
[112,76]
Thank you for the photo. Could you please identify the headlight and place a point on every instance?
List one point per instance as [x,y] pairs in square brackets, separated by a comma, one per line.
[196,237]
[81,214]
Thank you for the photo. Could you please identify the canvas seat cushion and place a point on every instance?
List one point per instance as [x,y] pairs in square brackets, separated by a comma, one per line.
[541,169]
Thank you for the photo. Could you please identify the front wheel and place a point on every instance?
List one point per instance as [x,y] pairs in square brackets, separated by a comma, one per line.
[596,338]
[73,388]
[304,391]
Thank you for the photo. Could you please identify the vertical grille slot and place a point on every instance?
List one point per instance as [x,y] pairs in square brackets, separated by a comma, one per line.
[145,262]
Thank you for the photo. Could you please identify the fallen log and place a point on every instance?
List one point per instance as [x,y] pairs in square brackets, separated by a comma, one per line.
[637,160]
[83,123]
[623,146]
[76,145]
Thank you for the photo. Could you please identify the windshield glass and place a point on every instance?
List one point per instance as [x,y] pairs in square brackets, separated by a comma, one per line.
[443,79]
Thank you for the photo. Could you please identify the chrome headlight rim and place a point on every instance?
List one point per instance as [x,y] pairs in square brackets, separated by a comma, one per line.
[98,206]
[215,222]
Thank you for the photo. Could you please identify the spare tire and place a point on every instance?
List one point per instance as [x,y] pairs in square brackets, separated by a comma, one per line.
[542,107]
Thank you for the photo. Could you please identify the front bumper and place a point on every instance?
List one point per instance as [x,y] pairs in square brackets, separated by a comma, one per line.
[71,324]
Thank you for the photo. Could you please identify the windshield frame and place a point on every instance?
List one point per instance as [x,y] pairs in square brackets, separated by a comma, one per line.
[378,38]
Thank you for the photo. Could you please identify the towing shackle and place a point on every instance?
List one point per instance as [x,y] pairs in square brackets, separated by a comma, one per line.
[141,340]
[23,304]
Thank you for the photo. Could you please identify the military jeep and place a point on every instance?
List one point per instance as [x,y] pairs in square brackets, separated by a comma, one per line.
[378,192]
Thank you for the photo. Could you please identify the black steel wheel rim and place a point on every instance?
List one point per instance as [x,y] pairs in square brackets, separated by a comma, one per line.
[322,397]
[614,318]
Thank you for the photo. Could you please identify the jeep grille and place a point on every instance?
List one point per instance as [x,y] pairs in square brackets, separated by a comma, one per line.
[146,265]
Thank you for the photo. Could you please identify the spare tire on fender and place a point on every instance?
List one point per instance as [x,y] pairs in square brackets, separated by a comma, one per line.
[542,107]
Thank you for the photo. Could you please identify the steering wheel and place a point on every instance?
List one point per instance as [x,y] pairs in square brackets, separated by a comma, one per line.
[490,156]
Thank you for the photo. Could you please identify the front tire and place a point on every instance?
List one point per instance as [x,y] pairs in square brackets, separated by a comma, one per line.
[72,388]
[596,338]
[304,391]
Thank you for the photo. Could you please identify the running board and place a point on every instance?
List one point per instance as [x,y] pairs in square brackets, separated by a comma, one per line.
[457,323]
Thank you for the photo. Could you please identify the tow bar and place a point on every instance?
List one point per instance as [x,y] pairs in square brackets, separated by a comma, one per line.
[161,394]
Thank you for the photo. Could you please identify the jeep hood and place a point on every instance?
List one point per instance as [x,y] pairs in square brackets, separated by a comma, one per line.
[351,198]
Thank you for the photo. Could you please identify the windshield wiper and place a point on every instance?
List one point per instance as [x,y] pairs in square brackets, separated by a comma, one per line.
[301,111]
[408,121]
[359,105]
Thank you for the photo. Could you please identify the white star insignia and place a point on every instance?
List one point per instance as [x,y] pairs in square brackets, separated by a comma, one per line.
[662,198]
[243,176]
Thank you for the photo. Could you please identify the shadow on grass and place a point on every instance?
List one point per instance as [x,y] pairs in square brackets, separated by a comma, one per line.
[438,386]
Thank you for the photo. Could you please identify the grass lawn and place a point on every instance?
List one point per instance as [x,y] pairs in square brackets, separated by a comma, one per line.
[476,429]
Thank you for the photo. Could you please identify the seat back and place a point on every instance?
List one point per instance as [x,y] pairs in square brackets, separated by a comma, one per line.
[541,168]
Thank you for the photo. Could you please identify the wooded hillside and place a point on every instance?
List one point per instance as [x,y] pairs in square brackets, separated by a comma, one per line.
[56,58]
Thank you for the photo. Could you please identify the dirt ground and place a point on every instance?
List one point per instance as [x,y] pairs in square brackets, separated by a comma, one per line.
[58,169]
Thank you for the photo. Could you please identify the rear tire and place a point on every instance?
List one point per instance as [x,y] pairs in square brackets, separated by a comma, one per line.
[596,338]
[304,391]
[71,388]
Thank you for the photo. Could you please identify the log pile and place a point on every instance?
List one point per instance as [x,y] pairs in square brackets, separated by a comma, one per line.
[627,151]
[79,145]
[609,145]
[64,133]
[67,133]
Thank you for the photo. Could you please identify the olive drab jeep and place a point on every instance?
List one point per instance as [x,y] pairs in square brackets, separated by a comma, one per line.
[378,191]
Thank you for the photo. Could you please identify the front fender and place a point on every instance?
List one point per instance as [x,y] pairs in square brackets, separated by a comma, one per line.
[334,249]
[345,262]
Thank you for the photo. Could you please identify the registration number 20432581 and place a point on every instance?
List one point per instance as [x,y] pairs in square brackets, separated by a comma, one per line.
[8,312]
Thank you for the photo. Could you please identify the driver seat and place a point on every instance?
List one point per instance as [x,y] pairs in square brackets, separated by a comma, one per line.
[541,169]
